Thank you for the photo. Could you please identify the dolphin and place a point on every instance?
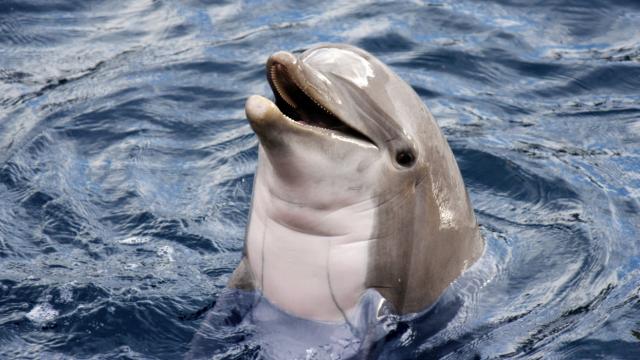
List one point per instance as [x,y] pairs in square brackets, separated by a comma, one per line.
[356,192]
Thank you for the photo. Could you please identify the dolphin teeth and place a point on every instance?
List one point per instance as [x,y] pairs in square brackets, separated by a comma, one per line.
[283,94]
[317,103]
[278,87]
[299,106]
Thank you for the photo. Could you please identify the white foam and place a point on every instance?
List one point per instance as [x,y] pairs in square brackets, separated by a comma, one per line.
[165,252]
[42,313]
[66,294]
[134,240]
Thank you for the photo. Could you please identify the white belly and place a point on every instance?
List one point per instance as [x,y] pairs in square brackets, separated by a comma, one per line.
[311,263]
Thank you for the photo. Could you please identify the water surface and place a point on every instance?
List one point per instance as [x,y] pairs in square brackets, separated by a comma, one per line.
[126,167]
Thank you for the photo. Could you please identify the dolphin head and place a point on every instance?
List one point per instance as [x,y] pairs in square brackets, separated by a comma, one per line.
[340,119]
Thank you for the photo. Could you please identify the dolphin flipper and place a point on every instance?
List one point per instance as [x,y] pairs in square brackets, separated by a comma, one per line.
[242,278]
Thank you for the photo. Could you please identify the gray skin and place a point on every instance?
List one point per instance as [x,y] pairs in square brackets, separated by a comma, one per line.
[356,189]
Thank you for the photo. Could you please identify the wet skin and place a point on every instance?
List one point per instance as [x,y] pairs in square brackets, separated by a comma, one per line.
[356,189]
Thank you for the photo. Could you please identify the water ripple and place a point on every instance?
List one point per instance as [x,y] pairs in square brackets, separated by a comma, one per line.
[126,168]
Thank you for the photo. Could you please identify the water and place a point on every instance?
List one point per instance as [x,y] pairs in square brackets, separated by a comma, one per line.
[126,167]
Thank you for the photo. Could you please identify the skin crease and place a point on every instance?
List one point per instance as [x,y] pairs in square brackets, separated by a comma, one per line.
[333,215]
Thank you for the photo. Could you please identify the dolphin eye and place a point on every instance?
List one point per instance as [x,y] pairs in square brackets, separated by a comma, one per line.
[405,158]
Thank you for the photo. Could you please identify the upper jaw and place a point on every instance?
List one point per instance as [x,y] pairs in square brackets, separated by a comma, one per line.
[298,105]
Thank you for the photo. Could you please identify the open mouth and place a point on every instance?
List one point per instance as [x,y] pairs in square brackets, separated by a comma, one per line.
[300,107]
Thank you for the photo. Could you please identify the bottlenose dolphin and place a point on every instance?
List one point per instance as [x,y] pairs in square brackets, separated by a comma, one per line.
[356,192]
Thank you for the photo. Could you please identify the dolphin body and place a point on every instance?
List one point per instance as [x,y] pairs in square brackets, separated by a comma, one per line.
[359,209]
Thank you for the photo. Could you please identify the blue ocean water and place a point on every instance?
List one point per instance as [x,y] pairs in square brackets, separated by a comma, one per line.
[126,166]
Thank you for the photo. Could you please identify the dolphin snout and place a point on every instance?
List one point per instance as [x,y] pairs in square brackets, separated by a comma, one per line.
[283,58]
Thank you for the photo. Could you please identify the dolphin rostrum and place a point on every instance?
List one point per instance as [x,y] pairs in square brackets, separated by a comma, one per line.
[356,189]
